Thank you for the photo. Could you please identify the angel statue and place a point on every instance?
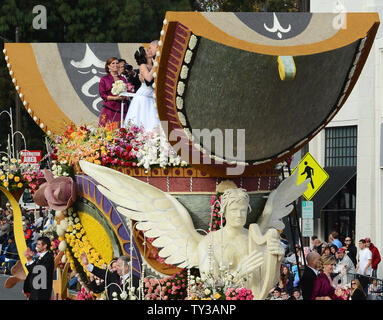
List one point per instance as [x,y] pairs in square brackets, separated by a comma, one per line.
[255,253]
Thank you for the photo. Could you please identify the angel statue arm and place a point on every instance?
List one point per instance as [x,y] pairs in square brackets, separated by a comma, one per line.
[264,232]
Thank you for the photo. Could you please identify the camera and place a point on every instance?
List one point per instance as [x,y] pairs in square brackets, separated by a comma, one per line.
[128,67]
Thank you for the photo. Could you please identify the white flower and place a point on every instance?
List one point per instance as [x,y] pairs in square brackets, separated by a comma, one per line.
[179,103]
[188,56]
[58,214]
[123,295]
[207,291]
[114,294]
[192,42]
[180,88]
[60,231]
[184,72]
[76,220]
[62,245]
[64,258]
[182,118]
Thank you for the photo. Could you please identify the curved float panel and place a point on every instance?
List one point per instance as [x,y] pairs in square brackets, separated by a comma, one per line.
[58,82]
[219,72]
[17,227]
[116,226]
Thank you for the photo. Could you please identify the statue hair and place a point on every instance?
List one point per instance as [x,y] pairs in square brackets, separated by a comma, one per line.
[234,195]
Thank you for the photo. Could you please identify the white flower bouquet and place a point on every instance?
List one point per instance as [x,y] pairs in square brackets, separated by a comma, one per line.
[118,87]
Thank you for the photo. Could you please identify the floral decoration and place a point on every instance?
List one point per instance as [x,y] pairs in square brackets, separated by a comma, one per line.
[215,214]
[114,147]
[33,179]
[11,173]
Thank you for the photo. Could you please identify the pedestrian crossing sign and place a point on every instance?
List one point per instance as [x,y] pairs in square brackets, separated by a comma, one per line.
[310,168]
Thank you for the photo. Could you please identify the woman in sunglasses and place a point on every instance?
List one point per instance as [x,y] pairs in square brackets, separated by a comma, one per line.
[324,289]
[357,292]
[351,250]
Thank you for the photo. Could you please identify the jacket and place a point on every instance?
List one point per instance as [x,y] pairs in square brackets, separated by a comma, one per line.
[375,256]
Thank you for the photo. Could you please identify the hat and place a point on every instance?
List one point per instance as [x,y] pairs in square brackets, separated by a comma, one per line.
[367,240]
[341,250]
[57,193]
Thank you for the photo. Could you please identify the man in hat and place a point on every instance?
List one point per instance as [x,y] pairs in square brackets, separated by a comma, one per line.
[344,265]
[375,256]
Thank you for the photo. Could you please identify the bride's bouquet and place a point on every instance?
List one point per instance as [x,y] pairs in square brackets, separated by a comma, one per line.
[118,87]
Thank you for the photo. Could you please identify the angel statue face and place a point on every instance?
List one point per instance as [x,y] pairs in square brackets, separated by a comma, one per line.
[235,203]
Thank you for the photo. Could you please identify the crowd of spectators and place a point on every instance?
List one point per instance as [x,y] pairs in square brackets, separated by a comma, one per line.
[348,267]
[33,224]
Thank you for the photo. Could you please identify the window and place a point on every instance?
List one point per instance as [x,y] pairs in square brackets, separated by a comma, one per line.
[341,146]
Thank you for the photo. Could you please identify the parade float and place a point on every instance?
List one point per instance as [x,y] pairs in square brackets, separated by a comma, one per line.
[261,84]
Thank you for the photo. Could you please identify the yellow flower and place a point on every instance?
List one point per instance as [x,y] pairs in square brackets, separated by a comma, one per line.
[19,185]
[2,177]
[6,184]
[78,226]
[217,296]
[78,235]
[11,176]
[17,179]
[70,229]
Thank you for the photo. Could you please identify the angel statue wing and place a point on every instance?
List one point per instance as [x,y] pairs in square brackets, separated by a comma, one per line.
[159,215]
[279,205]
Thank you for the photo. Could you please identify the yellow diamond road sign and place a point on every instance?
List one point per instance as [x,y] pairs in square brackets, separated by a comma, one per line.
[309,168]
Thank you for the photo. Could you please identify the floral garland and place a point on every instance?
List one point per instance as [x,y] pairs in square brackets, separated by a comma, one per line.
[215,213]
[112,146]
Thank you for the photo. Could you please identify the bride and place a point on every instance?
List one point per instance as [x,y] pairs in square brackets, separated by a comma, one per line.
[142,109]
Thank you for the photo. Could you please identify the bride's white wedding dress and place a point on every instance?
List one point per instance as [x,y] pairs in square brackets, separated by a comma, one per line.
[142,109]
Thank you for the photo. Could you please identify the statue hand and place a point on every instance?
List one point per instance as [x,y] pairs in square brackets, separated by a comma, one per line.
[250,263]
[274,247]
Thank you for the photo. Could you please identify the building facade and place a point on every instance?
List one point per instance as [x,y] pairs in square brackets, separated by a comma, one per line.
[350,147]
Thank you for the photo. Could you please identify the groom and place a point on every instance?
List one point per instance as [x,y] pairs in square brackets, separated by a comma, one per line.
[153,48]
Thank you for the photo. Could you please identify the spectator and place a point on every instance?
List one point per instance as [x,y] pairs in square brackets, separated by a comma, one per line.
[326,251]
[351,250]
[333,250]
[317,246]
[285,295]
[375,291]
[5,228]
[363,267]
[297,294]
[313,238]
[309,275]
[344,265]
[375,260]
[11,255]
[333,239]
[8,212]
[276,294]
[27,234]
[357,292]
[286,280]
[323,286]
